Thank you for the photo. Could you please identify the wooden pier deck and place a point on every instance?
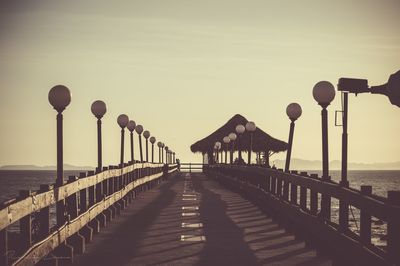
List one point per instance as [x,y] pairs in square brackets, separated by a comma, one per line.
[193,220]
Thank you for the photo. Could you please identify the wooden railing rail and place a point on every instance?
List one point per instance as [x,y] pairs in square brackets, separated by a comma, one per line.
[90,201]
[297,198]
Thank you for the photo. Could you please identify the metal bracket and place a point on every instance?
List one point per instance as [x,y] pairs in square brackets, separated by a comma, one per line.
[338,123]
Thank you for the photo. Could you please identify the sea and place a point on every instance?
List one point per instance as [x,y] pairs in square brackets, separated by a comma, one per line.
[11,181]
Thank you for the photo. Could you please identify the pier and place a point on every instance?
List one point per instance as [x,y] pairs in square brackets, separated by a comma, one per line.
[144,213]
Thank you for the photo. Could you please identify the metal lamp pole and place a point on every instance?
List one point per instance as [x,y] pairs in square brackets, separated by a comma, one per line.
[60,97]
[324,93]
[131,127]
[139,130]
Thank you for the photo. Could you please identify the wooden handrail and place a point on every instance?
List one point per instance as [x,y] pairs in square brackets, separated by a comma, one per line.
[19,208]
[99,194]
[272,187]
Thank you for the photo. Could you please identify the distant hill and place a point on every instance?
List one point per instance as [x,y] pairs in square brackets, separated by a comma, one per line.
[67,167]
[300,164]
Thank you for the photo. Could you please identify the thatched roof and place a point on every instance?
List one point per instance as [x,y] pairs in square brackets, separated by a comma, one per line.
[261,140]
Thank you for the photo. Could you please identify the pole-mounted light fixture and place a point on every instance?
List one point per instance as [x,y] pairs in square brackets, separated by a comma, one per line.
[98,109]
[139,130]
[250,127]
[324,93]
[60,97]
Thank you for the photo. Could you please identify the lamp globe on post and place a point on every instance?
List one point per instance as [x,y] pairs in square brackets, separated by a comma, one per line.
[250,127]
[98,109]
[159,145]
[60,97]
[218,147]
[131,127]
[240,130]
[139,131]
[293,111]
[232,137]
[324,93]
[166,154]
[162,151]
[226,140]
[152,141]
[122,121]
[146,135]
[220,152]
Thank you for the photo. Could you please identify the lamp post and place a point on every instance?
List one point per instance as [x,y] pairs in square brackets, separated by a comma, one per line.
[324,93]
[159,144]
[250,127]
[139,130]
[226,140]
[173,158]
[217,148]
[98,109]
[131,127]
[232,137]
[152,141]
[146,135]
[60,97]
[162,151]
[166,155]
[122,121]
[239,130]
[293,111]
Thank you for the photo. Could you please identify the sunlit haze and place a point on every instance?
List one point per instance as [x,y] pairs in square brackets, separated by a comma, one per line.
[183,68]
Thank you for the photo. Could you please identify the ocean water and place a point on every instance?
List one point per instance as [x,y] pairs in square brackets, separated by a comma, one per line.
[381,181]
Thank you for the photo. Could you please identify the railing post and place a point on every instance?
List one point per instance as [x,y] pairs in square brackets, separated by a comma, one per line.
[105,183]
[273,183]
[303,194]
[326,202]
[99,190]
[26,224]
[72,201]
[44,215]
[92,192]
[313,198]
[83,196]
[393,229]
[279,184]
[365,219]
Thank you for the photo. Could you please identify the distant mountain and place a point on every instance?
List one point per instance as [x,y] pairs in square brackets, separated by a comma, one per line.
[67,167]
[300,164]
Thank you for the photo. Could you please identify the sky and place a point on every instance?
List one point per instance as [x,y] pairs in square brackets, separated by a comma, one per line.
[182,68]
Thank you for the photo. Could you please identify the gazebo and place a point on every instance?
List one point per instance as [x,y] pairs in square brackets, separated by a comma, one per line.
[262,142]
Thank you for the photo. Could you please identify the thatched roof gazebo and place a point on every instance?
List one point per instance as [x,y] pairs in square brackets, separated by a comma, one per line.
[262,142]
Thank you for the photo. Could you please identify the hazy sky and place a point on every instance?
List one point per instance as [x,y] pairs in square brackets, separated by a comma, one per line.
[183,68]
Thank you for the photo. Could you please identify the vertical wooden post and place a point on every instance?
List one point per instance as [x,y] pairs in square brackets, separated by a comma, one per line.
[3,247]
[303,194]
[44,215]
[365,219]
[92,192]
[273,183]
[105,183]
[72,201]
[313,198]
[393,229]
[25,224]
[83,196]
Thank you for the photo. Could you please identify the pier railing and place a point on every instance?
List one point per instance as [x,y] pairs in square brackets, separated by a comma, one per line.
[190,167]
[90,201]
[297,201]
